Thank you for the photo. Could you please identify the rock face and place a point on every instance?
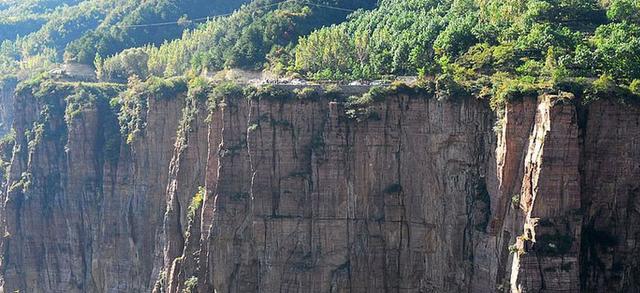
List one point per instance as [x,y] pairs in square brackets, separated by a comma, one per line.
[413,194]
[7,86]
[577,197]
[550,201]
[83,212]
[306,199]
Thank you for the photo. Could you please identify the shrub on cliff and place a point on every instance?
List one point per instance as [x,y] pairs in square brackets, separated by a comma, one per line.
[133,102]
[196,203]
[161,88]
[222,92]
[305,93]
[190,285]
[506,89]
[606,88]
[269,92]
[635,87]
[199,88]
[6,151]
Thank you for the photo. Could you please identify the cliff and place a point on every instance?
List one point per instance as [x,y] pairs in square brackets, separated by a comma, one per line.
[266,190]
[7,86]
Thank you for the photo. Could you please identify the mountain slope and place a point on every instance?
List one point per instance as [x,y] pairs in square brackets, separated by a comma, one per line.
[259,35]
[488,46]
[24,17]
[105,27]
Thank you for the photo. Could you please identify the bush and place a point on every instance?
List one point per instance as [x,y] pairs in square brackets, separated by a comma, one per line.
[508,89]
[199,88]
[635,86]
[576,86]
[161,88]
[515,201]
[331,91]
[226,90]
[222,92]
[190,285]
[305,93]
[624,10]
[268,92]
[8,139]
[6,150]
[196,203]
[606,88]
[447,87]
[513,248]
[77,102]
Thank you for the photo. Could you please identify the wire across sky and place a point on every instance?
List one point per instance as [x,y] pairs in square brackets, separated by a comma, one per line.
[211,17]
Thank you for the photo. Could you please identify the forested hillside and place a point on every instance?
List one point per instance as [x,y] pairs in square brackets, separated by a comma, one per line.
[491,47]
[497,49]
[78,30]
[260,35]
[23,17]
[469,39]
[144,25]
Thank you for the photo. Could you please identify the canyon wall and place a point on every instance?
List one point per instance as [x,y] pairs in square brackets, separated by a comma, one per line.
[83,212]
[411,193]
[7,86]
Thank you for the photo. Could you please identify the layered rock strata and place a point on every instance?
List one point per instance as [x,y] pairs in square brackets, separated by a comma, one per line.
[411,194]
[7,87]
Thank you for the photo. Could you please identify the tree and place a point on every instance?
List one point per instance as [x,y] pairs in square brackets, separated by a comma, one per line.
[617,50]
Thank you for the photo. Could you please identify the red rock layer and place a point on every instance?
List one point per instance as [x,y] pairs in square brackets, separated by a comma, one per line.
[418,195]
[76,219]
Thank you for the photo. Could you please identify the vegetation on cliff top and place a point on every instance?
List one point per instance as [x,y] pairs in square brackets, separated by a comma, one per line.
[132,104]
[261,34]
[493,48]
[496,49]
[61,104]
[35,34]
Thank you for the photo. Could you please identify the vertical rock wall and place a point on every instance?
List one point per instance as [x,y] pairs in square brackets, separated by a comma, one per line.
[610,194]
[547,256]
[411,194]
[575,206]
[7,86]
[83,212]
[306,198]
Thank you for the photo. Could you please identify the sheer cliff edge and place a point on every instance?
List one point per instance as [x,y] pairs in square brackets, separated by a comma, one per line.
[180,187]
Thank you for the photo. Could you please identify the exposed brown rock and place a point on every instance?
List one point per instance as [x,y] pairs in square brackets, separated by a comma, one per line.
[414,194]
[307,199]
[7,86]
[550,201]
[610,194]
[75,221]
